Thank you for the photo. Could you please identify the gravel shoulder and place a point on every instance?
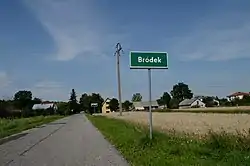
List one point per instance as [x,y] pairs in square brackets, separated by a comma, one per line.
[69,141]
[198,123]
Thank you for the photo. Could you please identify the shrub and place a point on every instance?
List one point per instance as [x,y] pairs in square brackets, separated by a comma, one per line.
[173,104]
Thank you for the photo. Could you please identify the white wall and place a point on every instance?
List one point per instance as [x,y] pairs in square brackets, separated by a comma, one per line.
[234,97]
[198,102]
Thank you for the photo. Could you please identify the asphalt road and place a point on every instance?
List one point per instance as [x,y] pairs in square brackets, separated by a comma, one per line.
[71,141]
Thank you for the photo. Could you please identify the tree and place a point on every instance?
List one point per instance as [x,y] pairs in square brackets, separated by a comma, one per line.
[209,101]
[136,97]
[23,99]
[84,102]
[164,100]
[160,102]
[114,104]
[245,101]
[174,103]
[181,91]
[63,108]
[73,105]
[225,102]
[37,101]
[96,98]
[126,105]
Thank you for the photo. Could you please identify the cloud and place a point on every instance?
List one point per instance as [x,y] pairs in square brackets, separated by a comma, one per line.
[77,27]
[218,38]
[48,85]
[50,90]
[4,79]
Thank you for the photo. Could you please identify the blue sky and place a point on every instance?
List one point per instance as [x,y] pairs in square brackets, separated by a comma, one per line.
[52,46]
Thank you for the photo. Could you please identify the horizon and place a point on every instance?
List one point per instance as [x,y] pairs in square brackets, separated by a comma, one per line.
[50,47]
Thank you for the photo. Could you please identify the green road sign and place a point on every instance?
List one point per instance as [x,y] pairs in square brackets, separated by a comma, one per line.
[148,60]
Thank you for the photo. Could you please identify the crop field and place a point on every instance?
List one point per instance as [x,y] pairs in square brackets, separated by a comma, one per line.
[217,109]
[192,123]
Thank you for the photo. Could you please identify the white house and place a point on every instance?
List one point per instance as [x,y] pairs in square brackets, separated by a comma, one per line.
[144,105]
[45,106]
[105,106]
[201,98]
[189,103]
[237,95]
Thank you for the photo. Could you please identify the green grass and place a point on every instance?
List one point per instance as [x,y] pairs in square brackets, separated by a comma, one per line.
[13,126]
[169,149]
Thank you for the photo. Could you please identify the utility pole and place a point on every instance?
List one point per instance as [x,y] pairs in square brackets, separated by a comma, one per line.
[117,54]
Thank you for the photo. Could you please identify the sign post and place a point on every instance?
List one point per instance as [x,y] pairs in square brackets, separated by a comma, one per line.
[94,105]
[149,60]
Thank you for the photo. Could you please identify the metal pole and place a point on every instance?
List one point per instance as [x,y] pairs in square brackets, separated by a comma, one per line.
[150,108]
[119,48]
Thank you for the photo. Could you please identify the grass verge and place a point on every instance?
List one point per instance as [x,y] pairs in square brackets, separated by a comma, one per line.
[168,149]
[13,126]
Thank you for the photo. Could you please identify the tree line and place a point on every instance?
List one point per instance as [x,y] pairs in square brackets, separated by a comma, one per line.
[181,91]
[23,101]
[19,106]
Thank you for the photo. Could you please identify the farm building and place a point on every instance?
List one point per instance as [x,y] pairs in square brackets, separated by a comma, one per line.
[189,103]
[45,106]
[144,105]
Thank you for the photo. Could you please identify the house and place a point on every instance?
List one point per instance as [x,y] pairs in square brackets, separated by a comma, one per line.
[45,106]
[190,103]
[144,105]
[202,98]
[105,106]
[237,95]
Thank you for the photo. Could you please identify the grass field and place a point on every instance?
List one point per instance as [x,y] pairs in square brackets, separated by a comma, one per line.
[9,127]
[170,149]
[193,123]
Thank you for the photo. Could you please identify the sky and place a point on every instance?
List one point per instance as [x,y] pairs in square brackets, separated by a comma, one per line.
[52,46]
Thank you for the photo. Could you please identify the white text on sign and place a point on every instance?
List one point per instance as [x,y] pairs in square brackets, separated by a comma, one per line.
[149,60]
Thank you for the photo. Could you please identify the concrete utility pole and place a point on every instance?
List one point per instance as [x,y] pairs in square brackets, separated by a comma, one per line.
[117,54]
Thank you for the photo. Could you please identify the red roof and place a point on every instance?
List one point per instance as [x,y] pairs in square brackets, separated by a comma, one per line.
[239,94]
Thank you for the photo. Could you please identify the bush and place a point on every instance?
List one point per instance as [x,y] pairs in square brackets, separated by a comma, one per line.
[8,113]
[173,104]
[63,108]
[27,113]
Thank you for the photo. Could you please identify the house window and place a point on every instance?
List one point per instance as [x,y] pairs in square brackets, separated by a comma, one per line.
[107,107]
